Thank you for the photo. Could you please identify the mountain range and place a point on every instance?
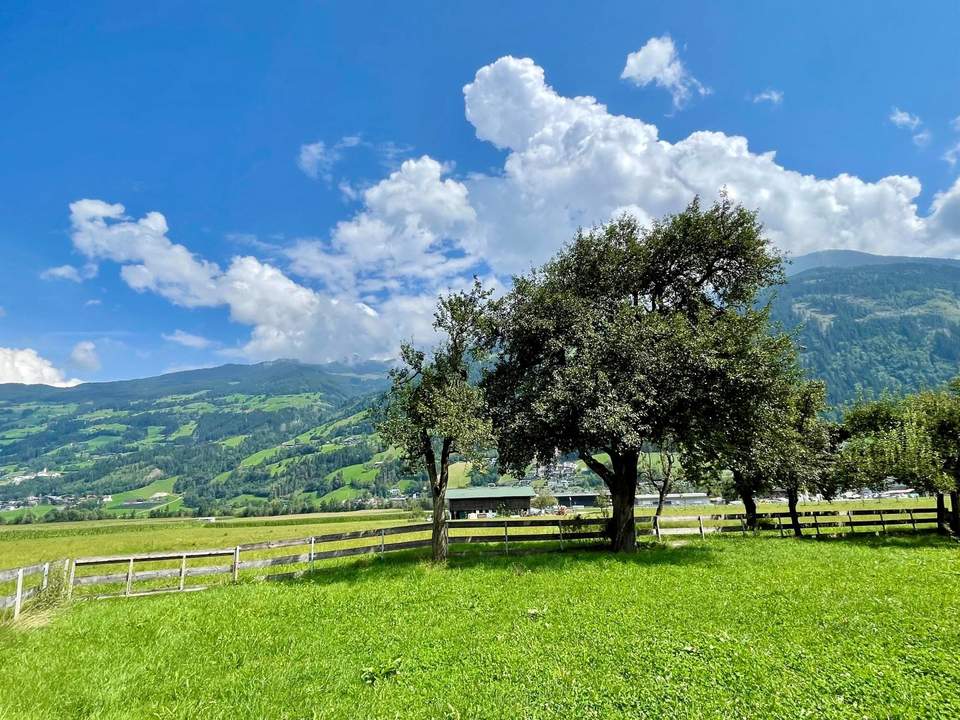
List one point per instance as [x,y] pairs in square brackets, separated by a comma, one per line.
[284,435]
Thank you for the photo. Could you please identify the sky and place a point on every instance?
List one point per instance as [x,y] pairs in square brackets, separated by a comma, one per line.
[188,184]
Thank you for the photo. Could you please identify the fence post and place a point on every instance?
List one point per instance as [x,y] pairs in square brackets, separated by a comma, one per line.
[560,528]
[46,576]
[183,571]
[18,600]
[236,563]
[129,577]
[816,522]
[656,526]
[883,524]
[913,520]
[381,542]
[73,572]
[743,526]
[941,514]
[700,521]
[853,528]
[313,541]
[506,539]
[780,525]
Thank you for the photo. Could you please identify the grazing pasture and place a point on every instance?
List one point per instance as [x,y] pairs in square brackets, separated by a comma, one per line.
[734,627]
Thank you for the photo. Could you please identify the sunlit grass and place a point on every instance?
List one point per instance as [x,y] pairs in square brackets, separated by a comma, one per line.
[724,628]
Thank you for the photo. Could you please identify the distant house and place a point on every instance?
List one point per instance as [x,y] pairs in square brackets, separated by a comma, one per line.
[482,500]
[690,498]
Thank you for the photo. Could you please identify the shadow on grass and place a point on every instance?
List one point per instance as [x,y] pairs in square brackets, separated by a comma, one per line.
[886,541]
[540,559]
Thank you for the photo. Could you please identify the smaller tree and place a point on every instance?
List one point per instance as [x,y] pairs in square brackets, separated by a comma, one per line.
[433,410]
[543,500]
[662,471]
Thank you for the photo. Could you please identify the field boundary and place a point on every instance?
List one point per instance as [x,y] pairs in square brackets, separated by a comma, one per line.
[138,574]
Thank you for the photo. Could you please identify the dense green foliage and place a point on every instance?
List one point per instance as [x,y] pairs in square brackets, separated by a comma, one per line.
[758,628]
[633,335]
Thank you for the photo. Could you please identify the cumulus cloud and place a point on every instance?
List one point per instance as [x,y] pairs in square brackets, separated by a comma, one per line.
[70,272]
[569,162]
[25,365]
[197,342]
[84,355]
[658,62]
[287,319]
[952,154]
[413,227]
[573,163]
[774,97]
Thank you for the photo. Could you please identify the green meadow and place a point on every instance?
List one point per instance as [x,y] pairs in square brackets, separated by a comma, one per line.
[724,628]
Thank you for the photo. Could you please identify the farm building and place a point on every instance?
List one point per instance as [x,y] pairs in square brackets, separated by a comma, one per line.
[689,498]
[502,500]
[577,499]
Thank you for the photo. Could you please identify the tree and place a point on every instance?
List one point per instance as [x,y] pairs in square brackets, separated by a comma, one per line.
[662,471]
[543,500]
[627,337]
[432,409]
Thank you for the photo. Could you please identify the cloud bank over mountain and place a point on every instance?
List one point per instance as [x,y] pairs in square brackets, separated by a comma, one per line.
[568,162]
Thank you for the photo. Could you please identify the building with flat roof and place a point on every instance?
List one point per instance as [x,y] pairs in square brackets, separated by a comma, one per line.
[504,500]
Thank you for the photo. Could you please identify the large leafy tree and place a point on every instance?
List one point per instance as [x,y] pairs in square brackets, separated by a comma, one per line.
[433,410]
[631,336]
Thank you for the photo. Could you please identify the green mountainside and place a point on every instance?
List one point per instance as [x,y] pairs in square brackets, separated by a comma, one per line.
[873,325]
[286,436]
[233,435]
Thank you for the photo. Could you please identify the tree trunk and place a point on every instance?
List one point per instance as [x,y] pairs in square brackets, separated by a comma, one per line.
[439,538]
[750,508]
[941,514]
[794,516]
[955,512]
[662,491]
[623,527]
[622,481]
[438,486]
[746,495]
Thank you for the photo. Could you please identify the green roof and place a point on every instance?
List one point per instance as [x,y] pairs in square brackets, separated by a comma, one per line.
[474,493]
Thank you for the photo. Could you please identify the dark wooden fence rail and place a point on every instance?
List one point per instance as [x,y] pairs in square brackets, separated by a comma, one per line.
[162,572]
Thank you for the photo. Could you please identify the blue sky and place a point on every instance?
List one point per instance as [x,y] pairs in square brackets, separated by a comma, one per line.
[316,173]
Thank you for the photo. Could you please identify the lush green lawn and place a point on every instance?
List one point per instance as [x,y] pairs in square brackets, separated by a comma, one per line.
[727,628]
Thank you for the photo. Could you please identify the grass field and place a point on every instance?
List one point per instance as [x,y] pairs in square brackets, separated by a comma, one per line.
[25,544]
[723,628]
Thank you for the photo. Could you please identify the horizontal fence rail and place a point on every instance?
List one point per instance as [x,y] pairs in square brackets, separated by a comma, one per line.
[152,573]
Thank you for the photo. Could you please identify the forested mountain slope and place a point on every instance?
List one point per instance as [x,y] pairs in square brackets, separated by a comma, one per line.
[875,326]
[272,430]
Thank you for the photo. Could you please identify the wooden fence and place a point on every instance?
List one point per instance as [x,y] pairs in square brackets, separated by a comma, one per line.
[163,572]
[30,582]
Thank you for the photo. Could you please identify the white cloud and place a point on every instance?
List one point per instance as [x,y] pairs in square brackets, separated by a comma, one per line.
[93,303]
[569,163]
[316,160]
[955,123]
[774,97]
[27,366]
[922,138]
[658,62]
[70,272]
[903,119]
[412,227]
[84,355]
[197,342]
[952,154]
[572,163]
[286,319]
